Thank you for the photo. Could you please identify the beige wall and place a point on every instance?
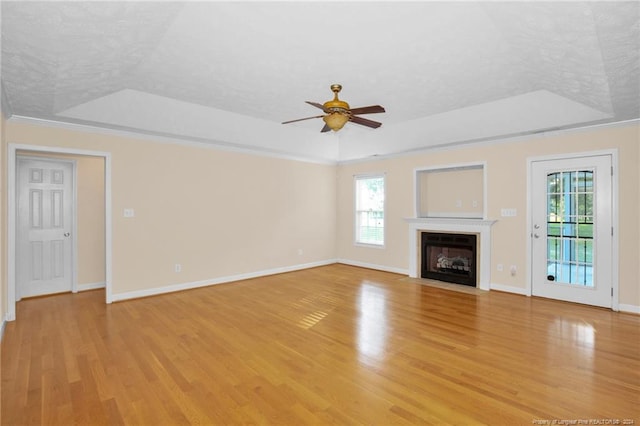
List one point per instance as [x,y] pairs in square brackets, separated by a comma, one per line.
[91,220]
[451,193]
[222,213]
[506,188]
[636,212]
[90,215]
[216,213]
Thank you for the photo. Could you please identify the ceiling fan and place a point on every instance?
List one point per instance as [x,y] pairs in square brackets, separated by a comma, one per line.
[337,113]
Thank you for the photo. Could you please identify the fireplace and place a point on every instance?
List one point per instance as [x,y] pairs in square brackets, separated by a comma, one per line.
[449,257]
[481,228]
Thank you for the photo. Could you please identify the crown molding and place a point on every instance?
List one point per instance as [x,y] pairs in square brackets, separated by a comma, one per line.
[225,146]
[493,141]
[167,139]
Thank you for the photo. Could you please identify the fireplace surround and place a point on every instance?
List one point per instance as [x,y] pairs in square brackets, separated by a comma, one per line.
[480,227]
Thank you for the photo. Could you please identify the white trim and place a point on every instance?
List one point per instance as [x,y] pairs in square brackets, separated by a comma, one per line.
[528,283]
[632,309]
[108,229]
[509,289]
[11,215]
[2,326]
[454,215]
[91,286]
[74,231]
[615,223]
[214,281]
[451,167]
[384,268]
[443,222]
[370,245]
[454,146]
[11,233]
[615,220]
[150,136]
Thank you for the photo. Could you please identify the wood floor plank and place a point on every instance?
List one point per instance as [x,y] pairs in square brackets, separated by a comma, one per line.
[329,345]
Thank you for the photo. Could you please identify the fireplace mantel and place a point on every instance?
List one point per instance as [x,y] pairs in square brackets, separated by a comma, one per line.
[480,227]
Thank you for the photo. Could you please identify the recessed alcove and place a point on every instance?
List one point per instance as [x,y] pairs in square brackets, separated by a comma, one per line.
[453,191]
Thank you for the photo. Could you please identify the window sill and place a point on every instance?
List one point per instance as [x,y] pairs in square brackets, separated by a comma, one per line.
[368,245]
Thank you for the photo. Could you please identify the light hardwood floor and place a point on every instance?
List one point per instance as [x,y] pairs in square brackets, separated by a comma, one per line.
[330,345]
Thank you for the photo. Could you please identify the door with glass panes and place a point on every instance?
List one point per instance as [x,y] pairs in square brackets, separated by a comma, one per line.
[572,229]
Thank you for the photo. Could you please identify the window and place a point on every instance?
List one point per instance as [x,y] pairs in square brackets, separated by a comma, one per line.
[570,226]
[370,210]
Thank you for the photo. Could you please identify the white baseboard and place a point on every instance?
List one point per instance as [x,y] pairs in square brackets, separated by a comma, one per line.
[221,280]
[91,286]
[632,309]
[509,289]
[374,266]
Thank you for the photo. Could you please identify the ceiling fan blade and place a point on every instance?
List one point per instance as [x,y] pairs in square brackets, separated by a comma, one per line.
[325,129]
[372,109]
[315,104]
[301,119]
[365,122]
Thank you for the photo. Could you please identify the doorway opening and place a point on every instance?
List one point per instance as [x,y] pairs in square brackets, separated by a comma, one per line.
[100,262]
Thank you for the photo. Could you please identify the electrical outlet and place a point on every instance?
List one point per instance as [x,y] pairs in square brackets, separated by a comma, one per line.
[300,252]
[129,213]
[178,268]
[513,270]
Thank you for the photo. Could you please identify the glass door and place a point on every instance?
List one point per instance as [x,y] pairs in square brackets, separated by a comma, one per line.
[572,239]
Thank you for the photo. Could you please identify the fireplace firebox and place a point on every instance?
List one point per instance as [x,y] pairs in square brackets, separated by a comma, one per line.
[449,257]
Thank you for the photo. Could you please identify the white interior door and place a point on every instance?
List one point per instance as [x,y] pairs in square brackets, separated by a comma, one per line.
[572,230]
[45,202]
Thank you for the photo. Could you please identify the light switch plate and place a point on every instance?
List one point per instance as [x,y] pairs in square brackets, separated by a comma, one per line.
[508,212]
[129,213]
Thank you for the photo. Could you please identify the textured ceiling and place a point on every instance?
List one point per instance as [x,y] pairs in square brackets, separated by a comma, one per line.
[227,73]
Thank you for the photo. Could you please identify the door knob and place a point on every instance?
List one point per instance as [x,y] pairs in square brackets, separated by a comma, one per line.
[536,236]
[66,234]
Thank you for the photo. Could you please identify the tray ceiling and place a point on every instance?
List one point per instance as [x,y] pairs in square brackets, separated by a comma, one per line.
[227,73]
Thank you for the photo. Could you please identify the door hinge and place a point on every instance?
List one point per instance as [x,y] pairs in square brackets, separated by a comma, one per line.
[611,291]
[612,231]
[611,170]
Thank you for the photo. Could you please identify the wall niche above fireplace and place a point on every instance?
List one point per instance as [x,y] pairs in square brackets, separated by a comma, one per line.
[454,191]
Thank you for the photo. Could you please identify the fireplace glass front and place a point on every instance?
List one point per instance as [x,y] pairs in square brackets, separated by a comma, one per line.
[449,257]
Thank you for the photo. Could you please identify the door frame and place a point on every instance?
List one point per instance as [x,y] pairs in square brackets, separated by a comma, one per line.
[615,267]
[11,216]
[74,213]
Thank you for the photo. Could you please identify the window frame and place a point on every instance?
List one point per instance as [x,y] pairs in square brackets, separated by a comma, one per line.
[357,178]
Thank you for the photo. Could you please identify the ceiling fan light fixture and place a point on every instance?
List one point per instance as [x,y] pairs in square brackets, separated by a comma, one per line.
[336,120]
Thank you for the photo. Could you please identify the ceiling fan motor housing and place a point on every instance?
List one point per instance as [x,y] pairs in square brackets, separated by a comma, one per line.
[336,105]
